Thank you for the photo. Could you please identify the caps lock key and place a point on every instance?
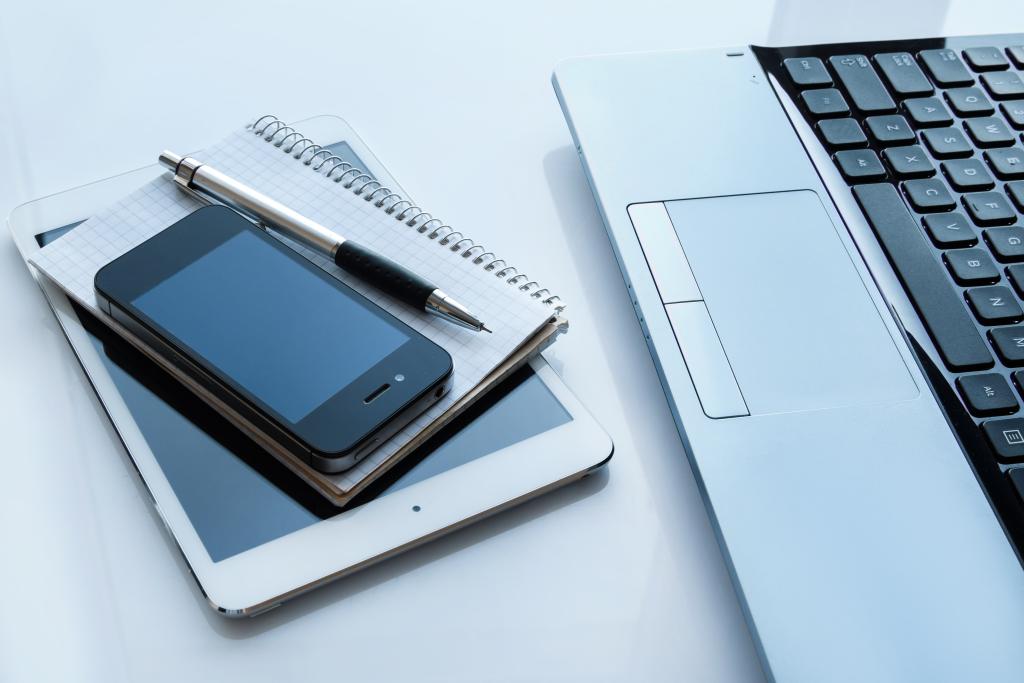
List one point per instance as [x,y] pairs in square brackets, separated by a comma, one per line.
[862,83]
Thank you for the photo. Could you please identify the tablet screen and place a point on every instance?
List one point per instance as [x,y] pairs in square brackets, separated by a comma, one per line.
[238,497]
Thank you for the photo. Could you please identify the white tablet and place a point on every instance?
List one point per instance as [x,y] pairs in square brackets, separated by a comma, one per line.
[251,532]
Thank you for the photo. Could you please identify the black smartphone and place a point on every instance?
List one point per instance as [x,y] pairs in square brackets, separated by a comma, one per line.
[309,362]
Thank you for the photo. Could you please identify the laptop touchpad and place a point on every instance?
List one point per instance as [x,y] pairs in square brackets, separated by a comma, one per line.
[794,318]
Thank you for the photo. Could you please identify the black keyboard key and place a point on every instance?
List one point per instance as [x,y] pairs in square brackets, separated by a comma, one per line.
[807,72]
[1007,162]
[1014,113]
[1015,274]
[1009,344]
[989,132]
[928,195]
[971,266]
[946,68]
[967,175]
[949,230]
[889,129]
[841,133]
[909,162]
[1006,243]
[969,102]
[1016,192]
[994,305]
[862,83]
[1007,439]
[1003,86]
[940,306]
[903,74]
[988,208]
[987,394]
[825,102]
[926,112]
[1016,54]
[986,58]
[860,164]
[946,143]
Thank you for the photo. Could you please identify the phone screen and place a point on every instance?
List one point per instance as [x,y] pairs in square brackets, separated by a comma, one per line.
[283,334]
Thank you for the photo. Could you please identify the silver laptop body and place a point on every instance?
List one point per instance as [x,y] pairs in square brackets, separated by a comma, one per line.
[860,542]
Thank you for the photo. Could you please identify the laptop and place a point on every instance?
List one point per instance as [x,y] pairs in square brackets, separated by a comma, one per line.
[824,246]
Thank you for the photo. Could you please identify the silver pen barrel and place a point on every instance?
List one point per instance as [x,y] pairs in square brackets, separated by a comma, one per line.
[211,183]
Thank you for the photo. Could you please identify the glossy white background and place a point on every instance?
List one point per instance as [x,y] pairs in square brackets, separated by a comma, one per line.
[618,578]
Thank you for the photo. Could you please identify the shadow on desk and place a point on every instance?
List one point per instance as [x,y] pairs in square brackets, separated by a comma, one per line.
[651,460]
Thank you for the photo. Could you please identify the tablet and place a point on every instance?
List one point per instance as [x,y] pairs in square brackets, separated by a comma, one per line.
[251,532]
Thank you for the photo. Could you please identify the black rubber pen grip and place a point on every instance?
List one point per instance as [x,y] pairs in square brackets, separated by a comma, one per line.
[383,273]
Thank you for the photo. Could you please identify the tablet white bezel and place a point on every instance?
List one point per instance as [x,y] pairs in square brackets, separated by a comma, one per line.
[262,577]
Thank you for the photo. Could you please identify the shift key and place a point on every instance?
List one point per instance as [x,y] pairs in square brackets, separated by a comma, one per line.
[862,83]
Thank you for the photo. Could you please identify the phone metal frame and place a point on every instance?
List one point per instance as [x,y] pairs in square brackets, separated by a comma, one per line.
[263,577]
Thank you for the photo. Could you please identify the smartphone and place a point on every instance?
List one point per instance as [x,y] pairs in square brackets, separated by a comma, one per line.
[321,370]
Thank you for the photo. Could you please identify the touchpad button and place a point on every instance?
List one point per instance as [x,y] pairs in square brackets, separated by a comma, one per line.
[794,317]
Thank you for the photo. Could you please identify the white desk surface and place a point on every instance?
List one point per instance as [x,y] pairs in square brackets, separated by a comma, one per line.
[619,578]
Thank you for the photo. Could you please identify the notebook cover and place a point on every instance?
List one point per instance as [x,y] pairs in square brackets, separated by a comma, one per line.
[264,165]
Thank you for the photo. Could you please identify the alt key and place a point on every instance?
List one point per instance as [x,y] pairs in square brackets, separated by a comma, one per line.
[1006,437]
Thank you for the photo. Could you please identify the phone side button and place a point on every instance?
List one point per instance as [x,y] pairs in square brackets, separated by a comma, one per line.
[706,361]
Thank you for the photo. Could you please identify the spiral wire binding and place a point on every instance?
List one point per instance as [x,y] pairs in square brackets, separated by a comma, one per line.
[273,130]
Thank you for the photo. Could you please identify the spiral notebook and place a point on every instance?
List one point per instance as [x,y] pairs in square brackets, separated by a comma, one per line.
[279,161]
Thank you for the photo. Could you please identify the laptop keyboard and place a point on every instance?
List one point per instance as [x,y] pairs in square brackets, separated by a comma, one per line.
[929,135]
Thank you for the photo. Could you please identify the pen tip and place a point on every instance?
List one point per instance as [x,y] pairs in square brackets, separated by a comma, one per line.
[483,328]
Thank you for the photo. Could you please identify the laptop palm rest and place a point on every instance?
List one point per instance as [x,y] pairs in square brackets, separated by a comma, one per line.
[794,320]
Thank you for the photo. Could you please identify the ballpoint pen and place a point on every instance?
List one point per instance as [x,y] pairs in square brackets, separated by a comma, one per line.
[355,259]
